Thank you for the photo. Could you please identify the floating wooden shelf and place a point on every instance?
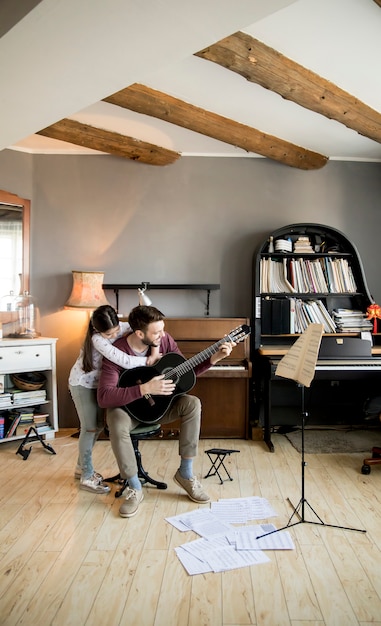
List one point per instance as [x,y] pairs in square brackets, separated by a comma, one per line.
[146,285]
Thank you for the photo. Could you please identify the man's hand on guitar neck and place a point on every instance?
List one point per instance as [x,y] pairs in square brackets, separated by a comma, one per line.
[223,352]
[157,386]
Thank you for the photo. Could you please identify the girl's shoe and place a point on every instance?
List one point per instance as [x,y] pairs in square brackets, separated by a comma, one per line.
[94,485]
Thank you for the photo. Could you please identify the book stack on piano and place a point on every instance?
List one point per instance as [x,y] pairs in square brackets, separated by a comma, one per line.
[348,320]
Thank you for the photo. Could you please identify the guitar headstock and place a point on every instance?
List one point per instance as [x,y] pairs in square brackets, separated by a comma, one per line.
[238,334]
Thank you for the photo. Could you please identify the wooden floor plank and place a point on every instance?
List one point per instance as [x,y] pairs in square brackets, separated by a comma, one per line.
[329,589]
[238,605]
[175,592]
[81,594]
[25,586]
[206,604]
[142,606]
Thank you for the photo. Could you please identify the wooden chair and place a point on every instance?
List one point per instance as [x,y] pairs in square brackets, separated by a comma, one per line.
[143,431]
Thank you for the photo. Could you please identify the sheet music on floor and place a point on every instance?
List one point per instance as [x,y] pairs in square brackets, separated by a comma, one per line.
[223,546]
[216,554]
[201,521]
[236,510]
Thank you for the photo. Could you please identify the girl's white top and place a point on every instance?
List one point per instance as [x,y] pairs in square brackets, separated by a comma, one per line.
[103,347]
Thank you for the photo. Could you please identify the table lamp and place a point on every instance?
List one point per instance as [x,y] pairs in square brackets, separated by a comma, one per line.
[87,291]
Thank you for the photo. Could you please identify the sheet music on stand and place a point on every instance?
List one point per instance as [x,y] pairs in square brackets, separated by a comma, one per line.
[300,361]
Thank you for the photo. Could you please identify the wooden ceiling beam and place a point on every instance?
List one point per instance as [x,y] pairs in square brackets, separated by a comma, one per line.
[260,64]
[148,101]
[106,141]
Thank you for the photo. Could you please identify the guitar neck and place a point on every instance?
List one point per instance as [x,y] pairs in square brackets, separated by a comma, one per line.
[199,358]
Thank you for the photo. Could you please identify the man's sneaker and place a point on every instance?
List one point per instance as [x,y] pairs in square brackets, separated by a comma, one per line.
[133,498]
[193,488]
[94,485]
[78,473]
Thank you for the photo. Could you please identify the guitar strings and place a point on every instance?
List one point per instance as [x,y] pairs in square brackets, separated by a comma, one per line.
[184,367]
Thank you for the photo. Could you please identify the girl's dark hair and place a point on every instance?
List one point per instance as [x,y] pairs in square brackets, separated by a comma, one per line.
[141,316]
[103,319]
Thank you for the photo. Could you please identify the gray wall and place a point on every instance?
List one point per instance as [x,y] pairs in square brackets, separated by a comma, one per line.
[199,220]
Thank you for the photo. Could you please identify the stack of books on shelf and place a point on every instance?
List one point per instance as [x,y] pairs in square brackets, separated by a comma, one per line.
[351,321]
[303,245]
[24,397]
[5,400]
[26,421]
[41,422]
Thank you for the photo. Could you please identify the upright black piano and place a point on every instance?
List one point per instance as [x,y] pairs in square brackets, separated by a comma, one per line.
[287,275]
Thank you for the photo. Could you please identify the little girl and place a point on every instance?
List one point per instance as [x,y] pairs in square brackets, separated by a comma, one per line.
[104,328]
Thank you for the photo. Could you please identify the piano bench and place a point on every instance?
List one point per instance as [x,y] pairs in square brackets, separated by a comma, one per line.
[220,454]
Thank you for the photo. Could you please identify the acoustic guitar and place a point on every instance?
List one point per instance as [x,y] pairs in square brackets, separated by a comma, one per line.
[150,408]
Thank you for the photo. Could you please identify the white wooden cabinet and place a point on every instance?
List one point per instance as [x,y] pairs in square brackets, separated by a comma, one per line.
[31,355]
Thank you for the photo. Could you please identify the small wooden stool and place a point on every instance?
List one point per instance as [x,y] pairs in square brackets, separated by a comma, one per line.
[220,454]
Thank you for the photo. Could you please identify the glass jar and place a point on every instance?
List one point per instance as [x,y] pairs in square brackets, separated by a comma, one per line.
[8,315]
[28,317]
[7,303]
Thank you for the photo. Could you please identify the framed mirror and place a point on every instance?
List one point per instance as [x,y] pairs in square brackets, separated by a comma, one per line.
[14,243]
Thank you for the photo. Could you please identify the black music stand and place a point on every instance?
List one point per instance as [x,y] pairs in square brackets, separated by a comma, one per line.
[299,509]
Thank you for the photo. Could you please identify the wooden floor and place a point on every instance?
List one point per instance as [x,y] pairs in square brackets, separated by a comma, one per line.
[67,558]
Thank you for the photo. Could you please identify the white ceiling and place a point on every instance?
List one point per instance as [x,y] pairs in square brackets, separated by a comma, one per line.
[64,56]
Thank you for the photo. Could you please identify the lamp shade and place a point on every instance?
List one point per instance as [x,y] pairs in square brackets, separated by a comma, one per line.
[87,291]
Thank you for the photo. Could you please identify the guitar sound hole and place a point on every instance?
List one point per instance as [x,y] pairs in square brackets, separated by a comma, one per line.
[173,377]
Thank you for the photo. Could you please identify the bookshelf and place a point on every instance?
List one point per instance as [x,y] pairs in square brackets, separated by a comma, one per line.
[28,355]
[318,278]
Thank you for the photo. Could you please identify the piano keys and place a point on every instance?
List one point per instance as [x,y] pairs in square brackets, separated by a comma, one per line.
[340,386]
[227,368]
[371,365]
[333,365]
